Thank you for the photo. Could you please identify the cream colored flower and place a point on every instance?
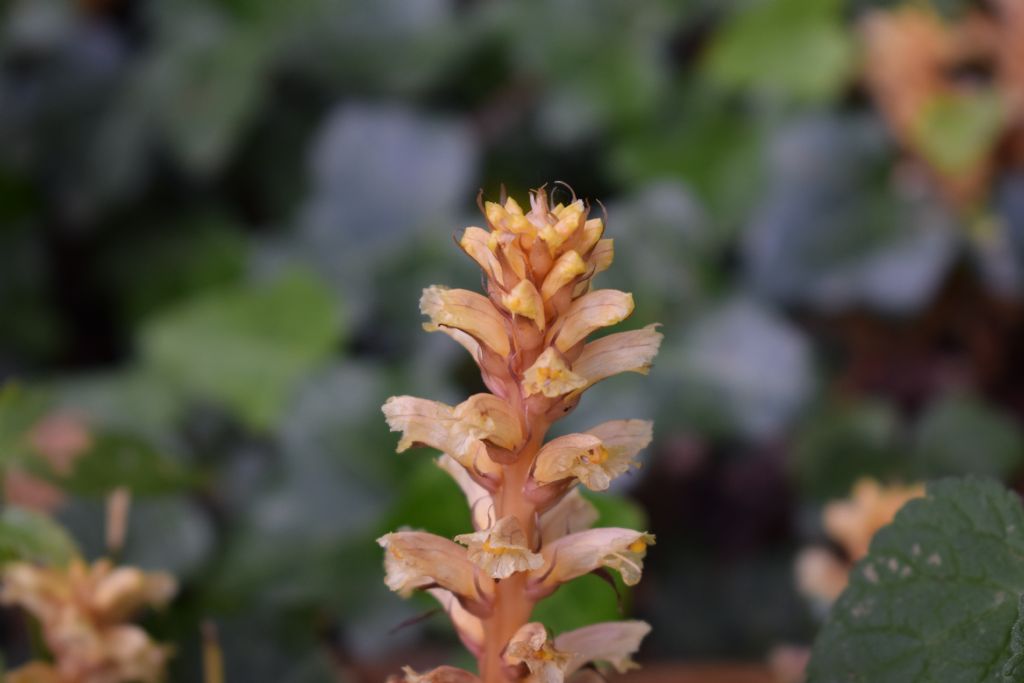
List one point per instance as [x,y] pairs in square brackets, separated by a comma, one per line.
[631,351]
[468,311]
[458,431]
[571,514]
[477,243]
[81,610]
[820,574]
[442,674]
[531,646]
[525,300]
[594,457]
[567,268]
[853,522]
[581,553]
[416,559]
[590,312]
[501,550]
[614,642]
[550,375]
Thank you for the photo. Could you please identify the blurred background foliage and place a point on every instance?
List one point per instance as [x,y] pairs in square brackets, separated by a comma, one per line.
[216,217]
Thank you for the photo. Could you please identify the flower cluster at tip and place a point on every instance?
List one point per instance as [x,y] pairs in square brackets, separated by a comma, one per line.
[83,613]
[528,335]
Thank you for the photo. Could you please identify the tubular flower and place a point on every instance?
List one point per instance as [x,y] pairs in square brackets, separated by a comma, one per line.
[851,523]
[501,550]
[82,611]
[528,333]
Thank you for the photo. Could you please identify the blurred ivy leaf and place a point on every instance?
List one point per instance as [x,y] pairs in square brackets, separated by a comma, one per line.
[614,510]
[245,346]
[430,500]
[956,131]
[936,598]
[843,443]
[29,536]
[797,48]
[115,460]
[961,435]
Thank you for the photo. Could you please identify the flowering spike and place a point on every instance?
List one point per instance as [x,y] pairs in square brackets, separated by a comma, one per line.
[531,526]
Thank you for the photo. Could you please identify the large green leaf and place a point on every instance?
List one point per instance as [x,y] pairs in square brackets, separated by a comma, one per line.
[936,599]
[794,47]
[245,347]
[29,536]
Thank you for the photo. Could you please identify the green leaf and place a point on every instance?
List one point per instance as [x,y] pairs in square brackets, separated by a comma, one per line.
[20,409]
[245,347]
[936,599]
[429,500]
[116,460]
[956,131]
[796,48]
[31,537]
[961,435]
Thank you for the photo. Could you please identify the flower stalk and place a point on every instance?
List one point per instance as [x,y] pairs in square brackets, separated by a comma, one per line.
[528,335]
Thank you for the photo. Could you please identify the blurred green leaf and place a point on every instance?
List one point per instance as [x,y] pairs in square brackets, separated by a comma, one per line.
[114,460]
[796,48]
[961,435]
[936,599]
[429,500]
[245,347]
[956,131]
[614,510]
[581,602]
[32,537]
[20,409]
[844,443]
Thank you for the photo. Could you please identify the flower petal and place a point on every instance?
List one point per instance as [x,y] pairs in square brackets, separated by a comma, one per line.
[485,416]
[531,646]
[477,243]
[630,351]
[591,311]
[34,672]
[525,300]
[468,311]
[571,514]
[573,455]
[125,590]
[602,256]
[442,674]
[501,550]
[468,626]
[820,575]
[567,268]
[623,439]
[481,505]
[853,522]
[583,552]
[421,421]
[550,375]
[613,642]
[416,559]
